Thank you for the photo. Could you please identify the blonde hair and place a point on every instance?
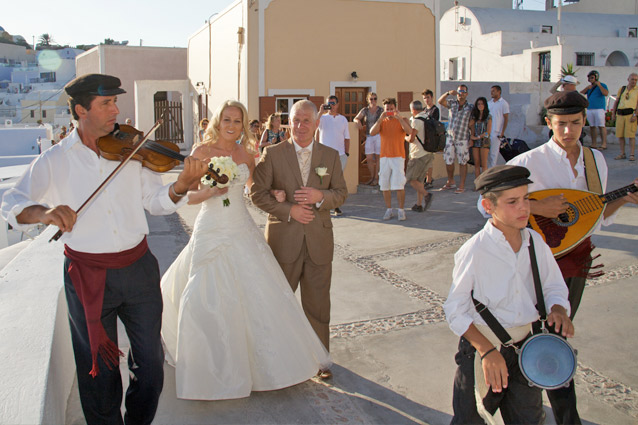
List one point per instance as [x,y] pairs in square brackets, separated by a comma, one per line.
[247,137]
[271,118]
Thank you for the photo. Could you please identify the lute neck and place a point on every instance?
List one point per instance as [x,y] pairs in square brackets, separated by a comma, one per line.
[618,193]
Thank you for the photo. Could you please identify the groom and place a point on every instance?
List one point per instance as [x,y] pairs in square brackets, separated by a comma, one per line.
[299,230]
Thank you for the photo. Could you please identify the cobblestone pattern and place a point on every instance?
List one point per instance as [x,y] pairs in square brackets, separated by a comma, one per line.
[387,324]
[607,390]
[614,275]
[369,264]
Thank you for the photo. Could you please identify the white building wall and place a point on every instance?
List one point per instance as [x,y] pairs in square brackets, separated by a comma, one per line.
[217,44]
[625,7]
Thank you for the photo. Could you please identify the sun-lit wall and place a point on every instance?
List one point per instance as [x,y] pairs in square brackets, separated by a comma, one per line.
[389,43]
[131,63]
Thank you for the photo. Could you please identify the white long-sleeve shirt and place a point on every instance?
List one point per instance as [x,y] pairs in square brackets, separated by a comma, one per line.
[502,280]
[68,173]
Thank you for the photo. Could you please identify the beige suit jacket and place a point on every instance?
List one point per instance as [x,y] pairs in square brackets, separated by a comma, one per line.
[279,169]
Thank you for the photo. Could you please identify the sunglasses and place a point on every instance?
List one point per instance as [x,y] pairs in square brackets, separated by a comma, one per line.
[332,103]
[373,98]
[462,91]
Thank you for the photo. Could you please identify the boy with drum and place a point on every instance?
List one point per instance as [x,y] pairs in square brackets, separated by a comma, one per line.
[494,268]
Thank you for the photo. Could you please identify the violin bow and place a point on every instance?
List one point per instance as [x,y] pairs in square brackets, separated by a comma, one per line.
[113,174]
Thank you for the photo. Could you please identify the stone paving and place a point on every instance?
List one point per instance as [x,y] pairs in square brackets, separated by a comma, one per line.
[392,348]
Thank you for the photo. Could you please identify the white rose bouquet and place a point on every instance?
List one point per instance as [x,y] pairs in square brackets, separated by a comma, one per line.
[223,165]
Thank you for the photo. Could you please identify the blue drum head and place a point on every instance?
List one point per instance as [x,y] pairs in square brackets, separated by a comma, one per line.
[547,361]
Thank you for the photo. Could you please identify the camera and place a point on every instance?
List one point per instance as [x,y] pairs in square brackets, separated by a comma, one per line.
[327,107]
[390,113]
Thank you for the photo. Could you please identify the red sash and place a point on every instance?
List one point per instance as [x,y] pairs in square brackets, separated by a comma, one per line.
[88,275]
[577,263]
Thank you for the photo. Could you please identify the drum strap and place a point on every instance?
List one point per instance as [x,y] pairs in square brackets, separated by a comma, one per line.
[489,318]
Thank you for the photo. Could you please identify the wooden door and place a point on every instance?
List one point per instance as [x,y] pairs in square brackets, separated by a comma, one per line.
[351,100]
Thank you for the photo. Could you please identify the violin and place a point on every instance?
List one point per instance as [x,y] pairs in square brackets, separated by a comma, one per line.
[156,155]
[124,144]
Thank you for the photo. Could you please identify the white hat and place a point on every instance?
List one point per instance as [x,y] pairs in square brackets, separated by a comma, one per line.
[569,79]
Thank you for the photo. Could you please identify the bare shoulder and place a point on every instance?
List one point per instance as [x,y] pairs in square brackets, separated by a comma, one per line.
[202,151]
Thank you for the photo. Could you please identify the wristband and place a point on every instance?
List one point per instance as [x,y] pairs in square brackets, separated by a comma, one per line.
[488,352]
[179,195]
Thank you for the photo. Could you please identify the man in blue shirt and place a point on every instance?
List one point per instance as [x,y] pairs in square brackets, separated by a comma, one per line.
[596,95]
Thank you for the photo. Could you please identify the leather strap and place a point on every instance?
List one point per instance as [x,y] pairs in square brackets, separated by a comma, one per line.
[591,172]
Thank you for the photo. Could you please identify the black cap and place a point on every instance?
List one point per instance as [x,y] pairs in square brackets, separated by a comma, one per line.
[566,102]
[94,84]
[502,177]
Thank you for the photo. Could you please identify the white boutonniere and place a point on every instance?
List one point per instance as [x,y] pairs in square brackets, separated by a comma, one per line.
[321,171]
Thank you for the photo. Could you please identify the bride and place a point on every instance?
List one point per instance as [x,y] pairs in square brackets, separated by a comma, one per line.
[231,323]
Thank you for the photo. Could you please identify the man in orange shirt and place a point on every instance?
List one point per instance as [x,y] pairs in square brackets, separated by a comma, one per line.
[392,129]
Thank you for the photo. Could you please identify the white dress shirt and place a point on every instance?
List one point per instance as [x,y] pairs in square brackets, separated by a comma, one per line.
[68,173]
[550,169]
[502,280]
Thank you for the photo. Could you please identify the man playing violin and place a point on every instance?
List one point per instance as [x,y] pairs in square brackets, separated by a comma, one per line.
[562,163]
[109,272]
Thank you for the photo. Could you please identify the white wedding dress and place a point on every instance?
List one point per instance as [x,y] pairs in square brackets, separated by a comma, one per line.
[231,323]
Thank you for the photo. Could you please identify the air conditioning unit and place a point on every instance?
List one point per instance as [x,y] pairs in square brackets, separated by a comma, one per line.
[8,123]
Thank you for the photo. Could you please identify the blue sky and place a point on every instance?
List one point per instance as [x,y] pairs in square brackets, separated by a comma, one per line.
[158,23]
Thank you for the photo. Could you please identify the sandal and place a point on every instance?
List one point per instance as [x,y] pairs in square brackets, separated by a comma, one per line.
[632,158]
[603,148]
[459,190]
[448,186]
[621,156]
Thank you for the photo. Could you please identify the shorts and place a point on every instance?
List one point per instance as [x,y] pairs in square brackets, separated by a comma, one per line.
[481,143]
[596,117]
[418,167]
[624,127]
[456,149]
[391,175]
[373,145]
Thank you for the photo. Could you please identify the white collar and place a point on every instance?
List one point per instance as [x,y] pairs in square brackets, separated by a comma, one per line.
[298,148]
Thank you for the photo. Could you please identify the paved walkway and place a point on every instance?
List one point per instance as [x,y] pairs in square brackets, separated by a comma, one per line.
[392,348]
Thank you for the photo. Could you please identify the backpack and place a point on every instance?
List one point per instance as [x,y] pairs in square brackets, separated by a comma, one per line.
[434,135]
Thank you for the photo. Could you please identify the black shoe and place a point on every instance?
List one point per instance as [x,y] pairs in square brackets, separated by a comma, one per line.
[428,201]
[338,212]
[428,185]
[417,208]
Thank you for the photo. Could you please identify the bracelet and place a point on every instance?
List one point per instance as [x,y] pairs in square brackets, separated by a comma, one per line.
[179,195]
[488,352]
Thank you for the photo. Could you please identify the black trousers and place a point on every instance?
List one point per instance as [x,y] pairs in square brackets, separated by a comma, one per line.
[563,400]
[132,294]
[519,403]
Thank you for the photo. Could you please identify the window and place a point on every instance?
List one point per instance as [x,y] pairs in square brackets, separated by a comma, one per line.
[632,32]
[47,77]
[546,29]
[283,105]
[32,113]
[585,58]
[44,114]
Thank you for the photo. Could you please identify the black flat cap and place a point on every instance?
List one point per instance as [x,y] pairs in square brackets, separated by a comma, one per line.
[502,177]
[566,102]
[95,84]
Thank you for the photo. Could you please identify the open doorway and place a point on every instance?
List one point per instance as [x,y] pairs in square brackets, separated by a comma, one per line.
[168,105]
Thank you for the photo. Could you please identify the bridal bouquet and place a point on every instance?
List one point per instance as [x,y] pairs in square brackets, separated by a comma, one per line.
[223,165]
